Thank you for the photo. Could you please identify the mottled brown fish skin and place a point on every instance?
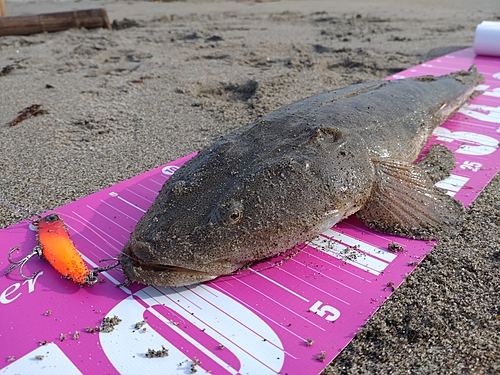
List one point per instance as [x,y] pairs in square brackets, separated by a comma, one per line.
[280,181]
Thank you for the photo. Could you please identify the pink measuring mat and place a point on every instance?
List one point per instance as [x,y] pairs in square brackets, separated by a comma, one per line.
[290,317]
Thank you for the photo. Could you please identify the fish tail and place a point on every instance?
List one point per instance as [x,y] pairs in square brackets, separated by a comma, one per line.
[469,79]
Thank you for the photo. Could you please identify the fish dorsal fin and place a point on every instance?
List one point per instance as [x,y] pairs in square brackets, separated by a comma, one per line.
[404,202]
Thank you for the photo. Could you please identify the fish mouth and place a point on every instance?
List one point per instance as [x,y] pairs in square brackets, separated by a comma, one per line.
[159,274]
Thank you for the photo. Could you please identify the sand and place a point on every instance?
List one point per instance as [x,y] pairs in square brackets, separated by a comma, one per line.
[122,102]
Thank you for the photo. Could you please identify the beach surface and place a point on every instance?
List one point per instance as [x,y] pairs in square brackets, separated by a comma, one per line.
[172,76]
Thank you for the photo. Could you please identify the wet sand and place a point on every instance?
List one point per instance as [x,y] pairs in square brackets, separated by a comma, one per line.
[182,73]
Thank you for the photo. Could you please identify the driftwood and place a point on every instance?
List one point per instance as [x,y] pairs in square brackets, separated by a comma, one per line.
[51,22]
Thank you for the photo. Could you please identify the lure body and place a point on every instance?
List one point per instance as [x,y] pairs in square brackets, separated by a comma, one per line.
[55,245]
[59,249]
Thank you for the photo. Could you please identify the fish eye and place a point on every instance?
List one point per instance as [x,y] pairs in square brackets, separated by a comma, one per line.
[235,216]
[231,213]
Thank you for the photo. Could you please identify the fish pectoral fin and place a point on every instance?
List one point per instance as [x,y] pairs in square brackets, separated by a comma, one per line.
[404,202]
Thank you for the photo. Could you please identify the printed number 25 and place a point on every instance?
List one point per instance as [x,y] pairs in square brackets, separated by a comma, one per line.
[471,166]
[331,312]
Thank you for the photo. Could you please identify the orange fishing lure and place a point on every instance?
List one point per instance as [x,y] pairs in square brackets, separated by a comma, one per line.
[55,245]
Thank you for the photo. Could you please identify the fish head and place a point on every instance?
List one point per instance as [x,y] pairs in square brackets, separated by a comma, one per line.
[196,231]
[223,210]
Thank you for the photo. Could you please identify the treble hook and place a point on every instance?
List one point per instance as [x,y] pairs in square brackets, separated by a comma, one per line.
[37,250]
[96,270]
[106,268]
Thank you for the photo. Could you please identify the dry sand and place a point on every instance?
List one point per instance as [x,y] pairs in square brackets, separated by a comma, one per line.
[122,102]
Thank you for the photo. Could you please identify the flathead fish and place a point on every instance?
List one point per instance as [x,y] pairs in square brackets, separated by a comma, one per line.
[280,181]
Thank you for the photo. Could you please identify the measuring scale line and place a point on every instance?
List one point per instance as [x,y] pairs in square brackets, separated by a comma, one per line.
[120,211]
[150,202]
[226,292]
[494,92]
[295,265]
[366,248]
[330,278]
[156,182]
[465,122]
[362,231]
[116,195]
[279,303]
[97,228]
[360,255]
[337,250]
[79,234]
[256,311]
[189,353]
[160,296]
[155,192]
[202,286]
[108,219]
[340,268]
[452,184]
[359,259]
[185,336]
[279,285]
[197,321]
[313,286]
[321,267]
[180,295]
[195,317]
[234,318]
[300,279]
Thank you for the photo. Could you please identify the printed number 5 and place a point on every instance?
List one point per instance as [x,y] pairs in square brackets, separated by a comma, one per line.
[322,310]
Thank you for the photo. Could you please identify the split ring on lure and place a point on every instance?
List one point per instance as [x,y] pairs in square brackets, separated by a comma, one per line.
[55,245]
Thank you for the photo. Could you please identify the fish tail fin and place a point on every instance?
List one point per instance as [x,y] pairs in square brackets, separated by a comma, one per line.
[469,79]
[478,77]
